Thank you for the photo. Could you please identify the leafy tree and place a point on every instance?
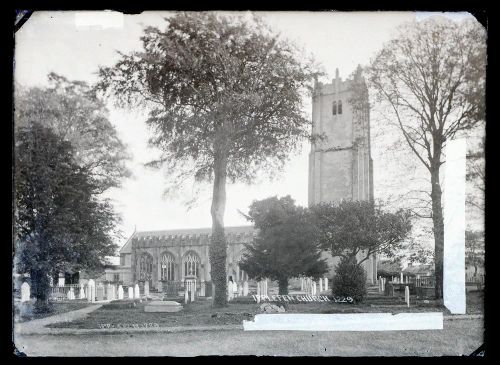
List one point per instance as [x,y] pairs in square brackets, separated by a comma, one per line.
[474,244]
[59,223]
[285,245]
[355,230]
[72,110]
[225,101]
[430,83]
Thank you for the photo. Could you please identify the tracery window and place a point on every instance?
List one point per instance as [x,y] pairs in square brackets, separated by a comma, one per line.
[145,267]
[192,264]
[334,108]
[167,267]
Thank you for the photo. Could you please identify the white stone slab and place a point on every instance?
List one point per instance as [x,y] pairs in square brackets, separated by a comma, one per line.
[163,306]
[454,227]
[345,322]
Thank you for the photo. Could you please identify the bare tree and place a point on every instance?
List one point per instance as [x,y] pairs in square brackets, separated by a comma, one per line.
[430,82]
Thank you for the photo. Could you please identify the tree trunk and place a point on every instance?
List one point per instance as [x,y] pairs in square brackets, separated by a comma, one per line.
[218,244]
[40,286]
[438,225]
[283,286]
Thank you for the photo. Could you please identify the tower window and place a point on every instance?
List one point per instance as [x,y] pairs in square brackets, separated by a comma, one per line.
[340,107]
[334,108]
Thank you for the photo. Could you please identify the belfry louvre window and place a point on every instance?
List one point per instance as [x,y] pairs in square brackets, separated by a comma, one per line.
[191,264]
[167,267]
[337,107]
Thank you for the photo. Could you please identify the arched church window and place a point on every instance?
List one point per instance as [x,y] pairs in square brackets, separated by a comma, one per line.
[339,108]
[145,267]
[192,264]
[167,267]
[334,108]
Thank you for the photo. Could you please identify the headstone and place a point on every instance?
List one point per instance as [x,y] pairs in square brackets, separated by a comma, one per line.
[326,284]
[61,281]
[160,286]
[245,288]
[137,293]
[407,295]
[186,296]
[25,292]
[91,290]
[130,292]
[401,277]
[71,294]
[202,289]
[82,291]
[100,293]
[235,288]
[240,290]
[230,292]
[111,295]
[120,292]
[146,288]
[314,288]
[320,285]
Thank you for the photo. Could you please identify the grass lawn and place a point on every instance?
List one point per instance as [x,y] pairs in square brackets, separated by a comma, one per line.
[57,308]
[201,313]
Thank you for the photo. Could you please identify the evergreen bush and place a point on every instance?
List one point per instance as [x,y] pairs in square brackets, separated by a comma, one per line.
[349,280]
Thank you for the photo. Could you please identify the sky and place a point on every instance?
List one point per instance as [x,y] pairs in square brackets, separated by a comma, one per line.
[74,44]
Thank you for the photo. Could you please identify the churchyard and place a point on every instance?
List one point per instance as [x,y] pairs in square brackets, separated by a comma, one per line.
[119,310]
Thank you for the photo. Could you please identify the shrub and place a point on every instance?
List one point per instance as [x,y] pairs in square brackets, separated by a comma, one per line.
[349,280]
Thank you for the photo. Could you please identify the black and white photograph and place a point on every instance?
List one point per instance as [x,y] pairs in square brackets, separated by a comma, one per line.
[269,183]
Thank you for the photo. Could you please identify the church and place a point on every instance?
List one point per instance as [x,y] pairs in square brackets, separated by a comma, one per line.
[340,167]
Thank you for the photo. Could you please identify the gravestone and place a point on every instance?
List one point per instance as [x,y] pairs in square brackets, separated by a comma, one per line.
[320,285]
[91,291]
[82,291]
[245,288]
[71,294]
[407,295]
[202,289]
[146,288]
[25,292]
[110,295]
[186,296]
[313,292]
[100,293]
[120,292]
[130,292]
[137,293]
[160,286]
[326,284]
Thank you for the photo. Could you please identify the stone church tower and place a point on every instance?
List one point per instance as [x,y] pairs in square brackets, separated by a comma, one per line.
[340,164]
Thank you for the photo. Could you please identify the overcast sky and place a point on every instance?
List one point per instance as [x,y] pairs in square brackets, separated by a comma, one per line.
[67,43]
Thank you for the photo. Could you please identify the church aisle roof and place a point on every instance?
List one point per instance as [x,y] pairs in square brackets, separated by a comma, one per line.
[191,232]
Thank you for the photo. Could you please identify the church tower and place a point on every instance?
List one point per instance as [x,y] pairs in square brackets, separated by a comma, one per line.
[340,163]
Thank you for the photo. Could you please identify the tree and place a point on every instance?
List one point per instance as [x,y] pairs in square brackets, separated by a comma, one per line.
[355,230]
[430,83]
[72,110]
[58,221]
[285,245]
[225,101]
[474,244]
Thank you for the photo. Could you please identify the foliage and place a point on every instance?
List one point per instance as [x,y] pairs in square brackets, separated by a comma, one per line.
[352,228]
[224,96]
[474,249]
[59,223]
[349,280]
[75,114]
[430,84]
[285,245]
